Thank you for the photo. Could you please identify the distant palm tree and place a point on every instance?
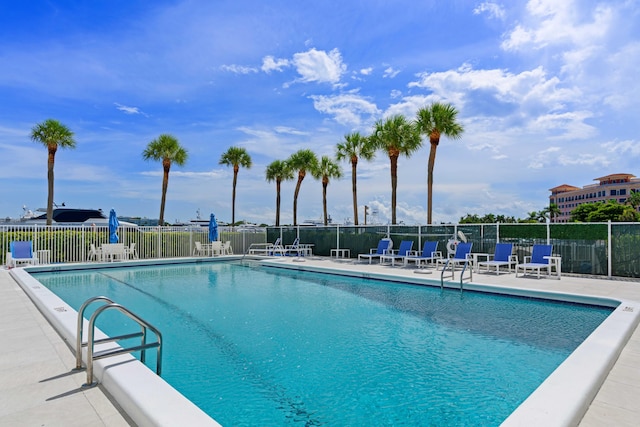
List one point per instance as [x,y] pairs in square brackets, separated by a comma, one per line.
[633,200]
[236,157]
[167,149]
[302,161]
[436,120]
[278,171]
[325,170]
[395,136]
[353,147]
[52,134]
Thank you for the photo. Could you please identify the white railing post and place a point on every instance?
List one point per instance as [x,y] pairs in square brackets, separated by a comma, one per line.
[609,246]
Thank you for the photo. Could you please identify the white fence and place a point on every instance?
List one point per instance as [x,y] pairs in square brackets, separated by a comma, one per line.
[55,244]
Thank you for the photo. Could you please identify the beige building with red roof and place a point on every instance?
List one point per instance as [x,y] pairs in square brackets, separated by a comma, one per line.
[617,186]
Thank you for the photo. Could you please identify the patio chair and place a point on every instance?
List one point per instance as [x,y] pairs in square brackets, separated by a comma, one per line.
[462,257]
[226,248]
[199,250]
[541,259]
[130,252]
[276,248]
[293,248]
[403,250]
[21,253]
[429,255]
[503,255]
[384,246]
[94,254]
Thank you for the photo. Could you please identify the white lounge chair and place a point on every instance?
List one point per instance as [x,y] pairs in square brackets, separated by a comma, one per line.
[541,259]
[384,246]
[403,250]
[226,248]
[503,255]
[429,255]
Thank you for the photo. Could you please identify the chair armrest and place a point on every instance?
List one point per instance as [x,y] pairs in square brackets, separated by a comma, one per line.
[436,254]
[527,259]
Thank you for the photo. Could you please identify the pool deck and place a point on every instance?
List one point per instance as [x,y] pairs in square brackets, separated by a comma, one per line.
[38,386]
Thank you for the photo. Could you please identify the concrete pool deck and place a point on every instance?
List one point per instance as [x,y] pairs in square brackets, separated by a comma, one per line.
[37,386]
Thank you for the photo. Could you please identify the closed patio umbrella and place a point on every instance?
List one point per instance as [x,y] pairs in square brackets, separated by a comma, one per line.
[113,227]
[213,228]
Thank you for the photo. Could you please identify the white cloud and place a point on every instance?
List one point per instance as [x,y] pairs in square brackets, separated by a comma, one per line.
[347,109]
[239,69]
[269,63]
[390,73]
[366,71]
[627,147]
[494,10]
[289,130]
[128,110]
[555,22]
[319,66]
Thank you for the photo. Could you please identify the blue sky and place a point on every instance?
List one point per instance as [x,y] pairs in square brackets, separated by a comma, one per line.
[547,92]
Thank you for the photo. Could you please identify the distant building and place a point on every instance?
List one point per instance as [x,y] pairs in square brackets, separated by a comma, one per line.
[617,186]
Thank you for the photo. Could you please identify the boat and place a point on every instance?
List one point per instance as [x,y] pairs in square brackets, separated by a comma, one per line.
[63,216]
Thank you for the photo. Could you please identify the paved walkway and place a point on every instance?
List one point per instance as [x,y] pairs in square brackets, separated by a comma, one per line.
[38,386]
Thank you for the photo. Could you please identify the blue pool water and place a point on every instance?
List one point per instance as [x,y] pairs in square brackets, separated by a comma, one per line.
[262,346]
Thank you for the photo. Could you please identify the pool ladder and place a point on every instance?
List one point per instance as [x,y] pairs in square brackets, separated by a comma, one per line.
[91,356]
[453,267]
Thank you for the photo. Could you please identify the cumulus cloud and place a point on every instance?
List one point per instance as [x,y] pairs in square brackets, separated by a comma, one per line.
[494,10]
[239,69]
[554,155]
[319,66]
[366,71]
[269,64]
[555,22]
[347,109]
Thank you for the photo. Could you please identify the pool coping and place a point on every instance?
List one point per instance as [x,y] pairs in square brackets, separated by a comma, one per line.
[146,398]
[561,400]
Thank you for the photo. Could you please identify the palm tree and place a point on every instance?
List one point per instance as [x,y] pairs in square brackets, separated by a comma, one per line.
[634,199]
[167,149]
[353,147]
[52,134]
[278,171]
[302,161]
[395,136]
[436,120]
[236,157]
[325,170]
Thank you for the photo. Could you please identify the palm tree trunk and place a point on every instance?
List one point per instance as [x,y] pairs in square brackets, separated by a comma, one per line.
[165,184]
[324,202]
[354,164]
[394,186]
[233,198]
[277,203]
[432,162]
[51,159]
[295,199]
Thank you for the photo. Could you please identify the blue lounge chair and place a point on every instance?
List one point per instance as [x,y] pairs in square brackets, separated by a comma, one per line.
[503,255]
[22,253]
[384,246]
[462,257]
[403,251]
[541,259]
[428,255]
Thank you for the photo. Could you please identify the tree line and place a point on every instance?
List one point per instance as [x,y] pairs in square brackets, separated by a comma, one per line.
[395,136]
[611,210]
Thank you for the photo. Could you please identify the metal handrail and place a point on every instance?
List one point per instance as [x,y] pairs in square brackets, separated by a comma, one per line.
[144,325]
[464,267]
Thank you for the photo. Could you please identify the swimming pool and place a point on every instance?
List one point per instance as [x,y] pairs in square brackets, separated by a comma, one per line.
[306,348]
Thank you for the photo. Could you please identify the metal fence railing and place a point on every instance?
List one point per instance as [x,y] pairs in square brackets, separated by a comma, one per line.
[602,249]
[73,244]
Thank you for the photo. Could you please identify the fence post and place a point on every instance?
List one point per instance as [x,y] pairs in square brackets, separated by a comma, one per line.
[609,254]
[337,236]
